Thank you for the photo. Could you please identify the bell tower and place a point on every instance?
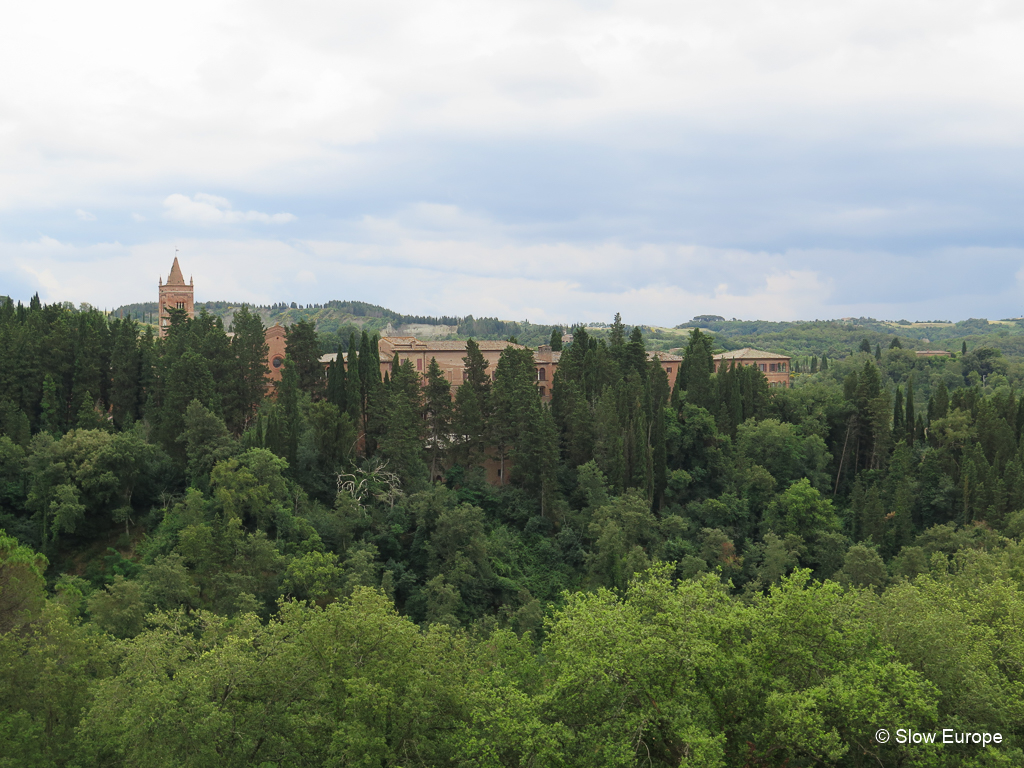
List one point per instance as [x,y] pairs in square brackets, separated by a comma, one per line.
[175,294]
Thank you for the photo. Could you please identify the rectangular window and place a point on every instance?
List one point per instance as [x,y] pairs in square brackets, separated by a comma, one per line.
[771,367]
[761,366]
[543,392]
[181,305]
[669,369]
[419,364]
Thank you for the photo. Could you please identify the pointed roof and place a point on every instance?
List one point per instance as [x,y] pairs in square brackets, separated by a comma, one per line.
[175,278]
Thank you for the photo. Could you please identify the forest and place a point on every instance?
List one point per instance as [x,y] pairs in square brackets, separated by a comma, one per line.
[684,570]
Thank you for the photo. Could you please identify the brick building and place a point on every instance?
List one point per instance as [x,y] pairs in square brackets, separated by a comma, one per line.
[176,294]
[776,368]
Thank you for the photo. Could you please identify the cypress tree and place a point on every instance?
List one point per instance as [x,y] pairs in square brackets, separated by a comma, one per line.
[865,346]
[824,363]
[556,340]
[437,413]
[895,343]
[814,364]
[353,389]
[49,418]
[910,421]
[898,428]
[963,348]
[125,373]
[878,352]
[940,399]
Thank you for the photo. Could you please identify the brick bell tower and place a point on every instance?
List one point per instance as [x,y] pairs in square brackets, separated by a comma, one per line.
[174,293]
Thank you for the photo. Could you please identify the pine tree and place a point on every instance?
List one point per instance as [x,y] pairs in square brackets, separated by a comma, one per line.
[895,343]
[865,346]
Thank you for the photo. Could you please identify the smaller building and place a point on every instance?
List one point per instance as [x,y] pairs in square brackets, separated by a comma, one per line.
[776,368]
[669,363]
[933,353]
[546,359]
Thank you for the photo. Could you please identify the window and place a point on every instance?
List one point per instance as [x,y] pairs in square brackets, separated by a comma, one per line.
[181,305]
[771,367]
[669,369]
[543,392]
[542,375]
[277,361]
[419,364]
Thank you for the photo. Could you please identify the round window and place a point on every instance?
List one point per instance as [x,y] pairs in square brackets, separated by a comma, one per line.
[276,362]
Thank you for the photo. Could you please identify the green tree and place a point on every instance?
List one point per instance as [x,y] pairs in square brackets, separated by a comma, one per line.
[437,413]
[302,348]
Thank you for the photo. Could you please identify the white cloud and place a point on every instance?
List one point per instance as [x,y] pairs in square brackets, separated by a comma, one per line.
[85,215]
[557,283]
[210,209]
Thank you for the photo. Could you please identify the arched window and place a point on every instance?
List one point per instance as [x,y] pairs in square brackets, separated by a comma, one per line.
[277,361]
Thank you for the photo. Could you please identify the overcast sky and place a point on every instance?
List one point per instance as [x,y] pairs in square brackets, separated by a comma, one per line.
[553,161]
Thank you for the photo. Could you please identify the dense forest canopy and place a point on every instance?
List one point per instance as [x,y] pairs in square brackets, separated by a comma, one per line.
[672,570]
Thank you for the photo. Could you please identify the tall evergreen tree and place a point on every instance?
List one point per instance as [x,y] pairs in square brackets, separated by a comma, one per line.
[437,414]
[694,376]
[899,431]
[513,395]
[125,373]
[302,347]
[249,350]
[556,340]
[910,421]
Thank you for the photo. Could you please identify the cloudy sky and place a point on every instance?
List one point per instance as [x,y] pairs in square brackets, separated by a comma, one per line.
[548,160]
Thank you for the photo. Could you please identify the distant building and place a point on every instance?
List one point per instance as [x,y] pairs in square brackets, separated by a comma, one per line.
[776,368]
[176,294]
[276,339]
[670,364]
[933,353]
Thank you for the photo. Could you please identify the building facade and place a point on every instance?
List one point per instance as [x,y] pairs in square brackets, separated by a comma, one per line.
[174,294]
[276,340]
[776,368]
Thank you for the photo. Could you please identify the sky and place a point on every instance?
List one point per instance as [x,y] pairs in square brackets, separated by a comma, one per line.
[545,160]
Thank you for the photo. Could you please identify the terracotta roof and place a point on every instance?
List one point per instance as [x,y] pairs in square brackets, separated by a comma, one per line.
[547,356]
[444,346]
[175,278]
[665,357]
[749,354]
